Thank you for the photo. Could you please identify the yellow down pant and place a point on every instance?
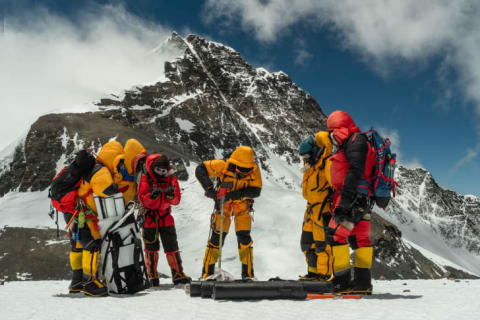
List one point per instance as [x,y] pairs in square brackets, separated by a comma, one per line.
[313,243]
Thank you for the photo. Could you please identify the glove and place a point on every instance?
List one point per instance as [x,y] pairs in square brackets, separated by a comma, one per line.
[154,194]
[94,245]
[170,192]
[210,193]
[341,214]
[222,192]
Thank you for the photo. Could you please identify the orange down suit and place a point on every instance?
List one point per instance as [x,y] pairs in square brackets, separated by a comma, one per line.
[242,188]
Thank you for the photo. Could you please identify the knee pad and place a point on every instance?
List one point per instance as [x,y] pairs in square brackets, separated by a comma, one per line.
[320,246]
[214,240]
[306,240]
[244,238]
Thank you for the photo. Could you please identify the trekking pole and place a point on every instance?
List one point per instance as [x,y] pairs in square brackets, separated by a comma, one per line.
[222,212]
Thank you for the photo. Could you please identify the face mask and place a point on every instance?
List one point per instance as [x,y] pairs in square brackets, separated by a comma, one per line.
[162,172]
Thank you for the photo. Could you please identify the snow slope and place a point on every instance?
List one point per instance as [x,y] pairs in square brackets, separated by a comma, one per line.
[398,299]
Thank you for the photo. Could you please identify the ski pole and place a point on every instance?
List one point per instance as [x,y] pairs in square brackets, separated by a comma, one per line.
[222,212]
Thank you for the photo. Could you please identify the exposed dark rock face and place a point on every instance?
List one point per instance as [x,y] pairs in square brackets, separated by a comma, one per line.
[33,254]
[209,102]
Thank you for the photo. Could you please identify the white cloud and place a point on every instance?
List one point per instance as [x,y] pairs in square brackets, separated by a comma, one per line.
[394,137]
[388,34]
[50,63]
[385,32]
[469,156]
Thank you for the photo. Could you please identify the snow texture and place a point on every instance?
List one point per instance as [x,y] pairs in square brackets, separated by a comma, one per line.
[393,300]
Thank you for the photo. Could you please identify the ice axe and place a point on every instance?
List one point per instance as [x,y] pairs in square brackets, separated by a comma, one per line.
[219,274]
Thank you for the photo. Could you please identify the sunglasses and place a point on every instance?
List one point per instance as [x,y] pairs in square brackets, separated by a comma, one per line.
[243,171]
[161,171]
[306,156]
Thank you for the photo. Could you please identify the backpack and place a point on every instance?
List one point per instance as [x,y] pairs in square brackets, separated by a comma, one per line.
[379,183]
[63,191]
[123,264]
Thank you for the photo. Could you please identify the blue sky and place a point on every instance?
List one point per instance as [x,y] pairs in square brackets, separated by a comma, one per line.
[410,68]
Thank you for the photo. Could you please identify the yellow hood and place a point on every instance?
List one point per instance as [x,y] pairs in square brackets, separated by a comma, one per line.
[323,140]
[243,156]
[132,148]
[110,155]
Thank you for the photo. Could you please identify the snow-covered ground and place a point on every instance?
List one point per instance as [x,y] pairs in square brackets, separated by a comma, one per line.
[399,299]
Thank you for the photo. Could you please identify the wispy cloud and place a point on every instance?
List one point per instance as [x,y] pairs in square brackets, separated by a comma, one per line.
[50,63]
[302,56]
[395,140]
[387,34]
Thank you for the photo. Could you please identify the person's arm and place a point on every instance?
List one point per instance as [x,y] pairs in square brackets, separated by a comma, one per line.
[145,196]
[173,195]
[102,183]
[252,191]
[356,151]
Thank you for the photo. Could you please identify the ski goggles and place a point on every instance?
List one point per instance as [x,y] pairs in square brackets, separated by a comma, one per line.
[163,172]
[306,156]
[243,171]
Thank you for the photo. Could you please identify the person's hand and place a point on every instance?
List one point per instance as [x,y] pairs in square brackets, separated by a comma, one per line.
[210,193]
[170,192]
[340,214]
[155,193]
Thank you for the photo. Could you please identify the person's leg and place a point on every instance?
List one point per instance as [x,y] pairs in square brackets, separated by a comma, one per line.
[152,246]
[307,246]
[212,250]
[362,246]
[243,225]
[341,255]
[168,235]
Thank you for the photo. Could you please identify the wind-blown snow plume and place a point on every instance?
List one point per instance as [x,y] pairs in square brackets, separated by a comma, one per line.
[49,62]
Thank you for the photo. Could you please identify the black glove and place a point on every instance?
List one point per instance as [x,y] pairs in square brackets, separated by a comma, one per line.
[170,192]
[94,245]
[211,193]
[341,214]
[154,194]
[234,195]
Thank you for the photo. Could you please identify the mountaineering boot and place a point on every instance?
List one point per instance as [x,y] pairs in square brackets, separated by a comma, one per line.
[311,276]
[362,281]
[211,257]
[342,281]
[91,285]
[151,261]
[76,285]
[245,253]
[175,262]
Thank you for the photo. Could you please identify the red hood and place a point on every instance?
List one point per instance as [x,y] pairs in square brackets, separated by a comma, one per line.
[342,126]
[135,161]
[150,159]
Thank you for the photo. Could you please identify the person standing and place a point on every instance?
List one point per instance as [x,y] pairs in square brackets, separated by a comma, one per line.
[239,182]
[352,209]
[158,191]
[316,189]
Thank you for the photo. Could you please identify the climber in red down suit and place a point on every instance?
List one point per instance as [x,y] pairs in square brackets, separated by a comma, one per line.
[158,190]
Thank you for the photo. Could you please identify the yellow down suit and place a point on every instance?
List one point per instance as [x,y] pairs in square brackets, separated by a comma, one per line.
[240,175]
[316,189]
[84,255]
